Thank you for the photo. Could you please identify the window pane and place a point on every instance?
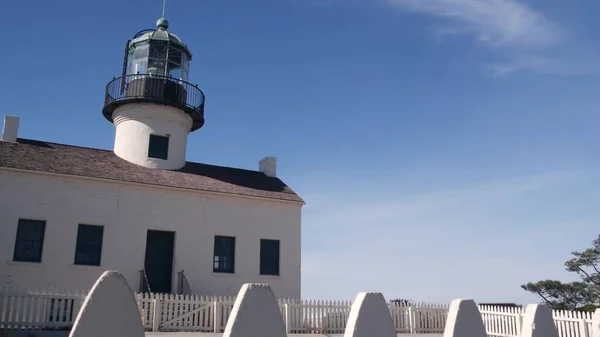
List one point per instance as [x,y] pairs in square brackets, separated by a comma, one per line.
[158,147]
[88,249]
[175,55]
[29,241]
[224,254]
[158,49]
[156,66]
[174,71]
[139,67]
[269,257]
[140,51]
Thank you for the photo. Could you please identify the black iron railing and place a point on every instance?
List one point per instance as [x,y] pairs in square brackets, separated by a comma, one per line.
[183,287]
[144,287]
[157,89]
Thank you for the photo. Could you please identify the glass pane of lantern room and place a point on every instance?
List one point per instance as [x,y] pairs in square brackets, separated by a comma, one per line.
[140,51]
[138,60]
[175,55]
[158,49]
[174,65]
[156,67]
[174,71]
[139,66]
[157,58]
[185,64]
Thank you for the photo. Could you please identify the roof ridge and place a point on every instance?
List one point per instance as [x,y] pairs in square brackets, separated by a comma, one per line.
[62,144]
[77,160]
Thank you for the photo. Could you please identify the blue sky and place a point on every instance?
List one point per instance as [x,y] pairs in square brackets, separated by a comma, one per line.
[445,148]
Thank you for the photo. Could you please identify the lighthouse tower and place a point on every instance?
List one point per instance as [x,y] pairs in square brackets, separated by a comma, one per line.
[152,104]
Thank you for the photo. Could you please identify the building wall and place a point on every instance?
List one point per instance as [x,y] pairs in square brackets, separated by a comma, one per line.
[127,211]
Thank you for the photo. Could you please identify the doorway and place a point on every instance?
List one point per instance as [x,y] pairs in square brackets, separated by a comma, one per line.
[159,260]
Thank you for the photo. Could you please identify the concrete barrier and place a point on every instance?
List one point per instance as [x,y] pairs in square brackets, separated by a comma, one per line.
[370,317]
[209,334]
[110,309]
[538,322]
[464,320]
[255,313]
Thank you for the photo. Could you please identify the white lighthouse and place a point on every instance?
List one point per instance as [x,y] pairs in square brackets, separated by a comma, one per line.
[152,105]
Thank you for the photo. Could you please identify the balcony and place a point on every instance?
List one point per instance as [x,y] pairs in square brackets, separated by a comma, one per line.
[149,88]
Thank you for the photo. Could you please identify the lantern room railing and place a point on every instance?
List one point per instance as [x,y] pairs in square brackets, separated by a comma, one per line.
[155,89]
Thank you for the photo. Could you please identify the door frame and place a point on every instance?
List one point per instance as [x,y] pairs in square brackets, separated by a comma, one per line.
[172,276]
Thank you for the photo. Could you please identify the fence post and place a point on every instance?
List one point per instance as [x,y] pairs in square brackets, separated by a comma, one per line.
[287,318]
[411,324]
[583,327]
[519,323]
[157,315]
[217,317]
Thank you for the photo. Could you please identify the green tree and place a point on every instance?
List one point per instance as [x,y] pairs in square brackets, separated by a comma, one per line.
[402,302]
[580,295]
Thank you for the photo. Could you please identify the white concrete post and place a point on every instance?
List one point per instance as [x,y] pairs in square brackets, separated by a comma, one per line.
[255,313]
[538,322]
[217,317]
[464,320]
[370,316]
[156,315]
[110,309]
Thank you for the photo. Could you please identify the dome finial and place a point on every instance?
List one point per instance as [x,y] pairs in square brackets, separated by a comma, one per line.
[162,23]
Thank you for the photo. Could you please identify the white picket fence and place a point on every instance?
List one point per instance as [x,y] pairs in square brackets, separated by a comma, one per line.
[506,321]
[160,312]
[210,314]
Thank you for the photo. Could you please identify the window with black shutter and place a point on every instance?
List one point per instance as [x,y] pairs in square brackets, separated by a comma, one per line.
[88,249]
[224,254]
[269,257]
[29,243]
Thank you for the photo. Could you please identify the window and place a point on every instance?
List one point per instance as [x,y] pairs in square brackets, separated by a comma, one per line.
[30,240]
[88,249]
[224,257]
[269,257]
[158,147]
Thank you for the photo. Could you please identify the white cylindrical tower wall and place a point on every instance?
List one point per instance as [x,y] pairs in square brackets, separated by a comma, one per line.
[135,123]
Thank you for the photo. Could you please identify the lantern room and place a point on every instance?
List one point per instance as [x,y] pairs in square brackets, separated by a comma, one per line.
[156,70]
[158,52]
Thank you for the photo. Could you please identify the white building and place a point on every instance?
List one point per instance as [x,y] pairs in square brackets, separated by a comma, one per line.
[68,213]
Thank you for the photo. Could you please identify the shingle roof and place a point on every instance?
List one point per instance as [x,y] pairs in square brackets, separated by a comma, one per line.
[34,155]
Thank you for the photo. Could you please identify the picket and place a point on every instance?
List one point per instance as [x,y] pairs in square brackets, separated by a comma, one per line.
[194,313]
[36,310]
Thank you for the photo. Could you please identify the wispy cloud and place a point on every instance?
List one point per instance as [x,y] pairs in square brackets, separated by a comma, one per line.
[522,37]
[447,243]
[494,22]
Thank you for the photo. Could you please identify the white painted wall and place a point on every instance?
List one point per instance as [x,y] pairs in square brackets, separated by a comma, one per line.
[127,211]
[135,122]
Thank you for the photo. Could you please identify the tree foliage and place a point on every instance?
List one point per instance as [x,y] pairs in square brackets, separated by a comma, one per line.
[402,302]
[580,295]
